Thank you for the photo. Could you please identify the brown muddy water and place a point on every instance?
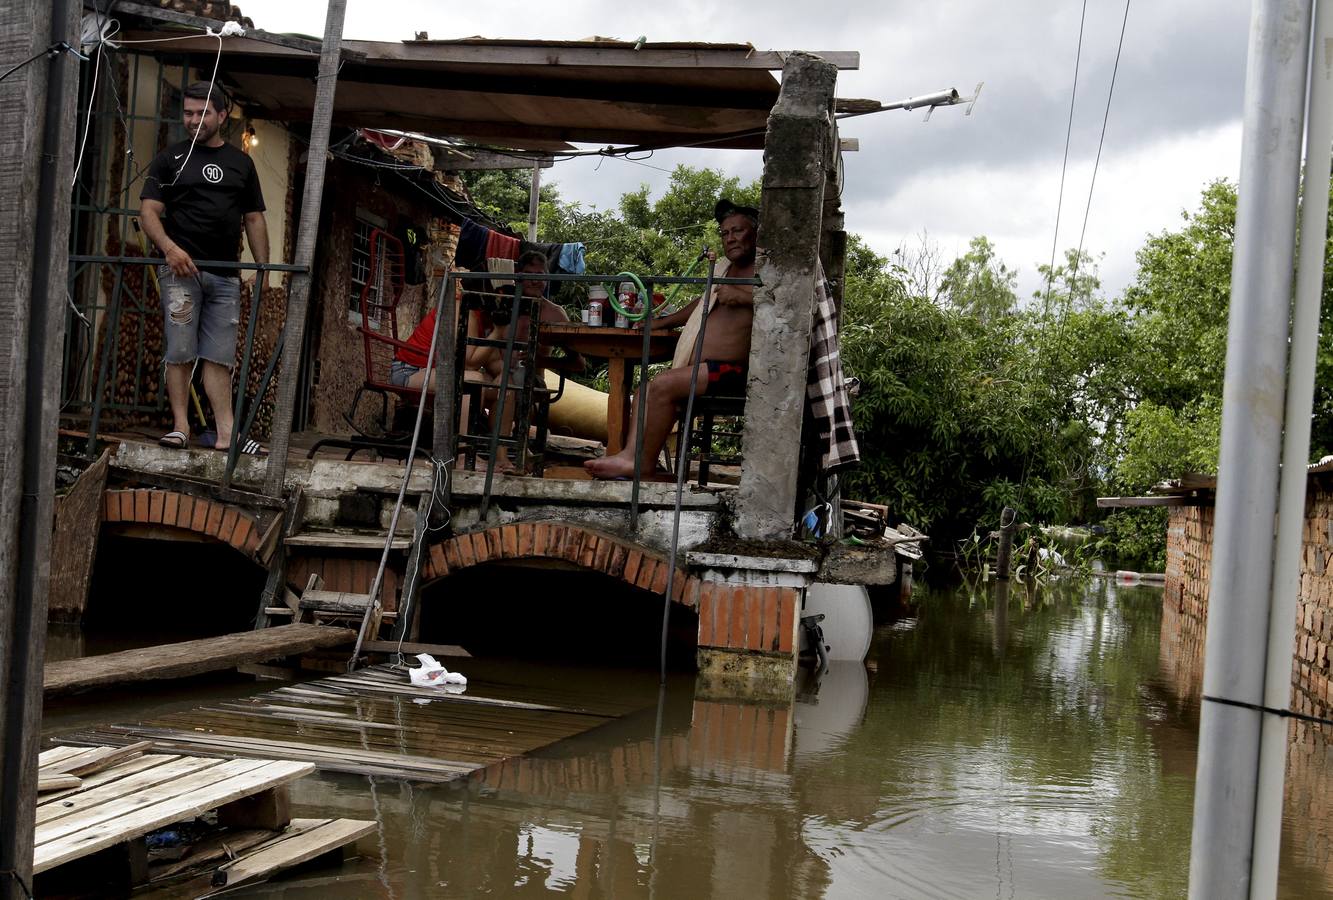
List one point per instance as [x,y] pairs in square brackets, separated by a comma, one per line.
[1044,749]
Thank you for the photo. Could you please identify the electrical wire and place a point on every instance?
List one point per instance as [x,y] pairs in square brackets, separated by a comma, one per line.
[57,47]
[1078,257]
[88,119]
[1064,167]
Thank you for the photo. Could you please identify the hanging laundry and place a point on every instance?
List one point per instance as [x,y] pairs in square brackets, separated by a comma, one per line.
[571,259]
[414,238]
[550,251]
[501,246]
[472,241]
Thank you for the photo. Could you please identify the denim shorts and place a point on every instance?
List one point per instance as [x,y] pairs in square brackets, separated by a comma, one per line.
[200,314]
[400,372]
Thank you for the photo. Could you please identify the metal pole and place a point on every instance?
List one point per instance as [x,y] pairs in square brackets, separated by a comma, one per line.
[534,198]
[298,301]
[1252,411]
[234,448]
[1295,456]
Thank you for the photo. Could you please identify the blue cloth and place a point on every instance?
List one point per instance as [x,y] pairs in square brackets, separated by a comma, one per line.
[571,259]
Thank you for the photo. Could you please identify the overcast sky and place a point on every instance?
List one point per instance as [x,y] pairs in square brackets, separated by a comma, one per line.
[1174,121]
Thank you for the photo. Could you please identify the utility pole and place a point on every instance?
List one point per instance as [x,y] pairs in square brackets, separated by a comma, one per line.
[298,301]
[36,167]
[534,198]
[1245,637]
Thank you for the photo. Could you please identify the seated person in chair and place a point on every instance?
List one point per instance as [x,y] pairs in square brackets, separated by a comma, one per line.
[726,349]
[533,263]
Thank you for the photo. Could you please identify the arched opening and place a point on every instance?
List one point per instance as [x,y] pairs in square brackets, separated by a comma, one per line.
[554,610]
[153,590]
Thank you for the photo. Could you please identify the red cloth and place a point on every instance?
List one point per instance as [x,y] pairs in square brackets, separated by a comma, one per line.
[418,345]
[500,246]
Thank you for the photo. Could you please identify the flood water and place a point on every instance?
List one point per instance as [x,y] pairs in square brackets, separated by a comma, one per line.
[1042,749]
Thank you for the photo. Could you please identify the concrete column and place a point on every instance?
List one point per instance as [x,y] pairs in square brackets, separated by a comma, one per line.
[796,154]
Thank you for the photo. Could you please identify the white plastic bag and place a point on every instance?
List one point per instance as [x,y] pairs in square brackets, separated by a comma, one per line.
[433,674]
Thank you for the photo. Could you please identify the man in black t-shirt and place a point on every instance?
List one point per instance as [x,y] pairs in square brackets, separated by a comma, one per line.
[196,197]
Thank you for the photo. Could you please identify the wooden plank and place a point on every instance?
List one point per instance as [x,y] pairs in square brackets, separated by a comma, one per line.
[73,760]
[107,760]
[1128,502]
[335,601]
[410,648]
[48,783]
[191,797]
[55,754]
[339,540]
[290,850]
[190,657]
[75,542]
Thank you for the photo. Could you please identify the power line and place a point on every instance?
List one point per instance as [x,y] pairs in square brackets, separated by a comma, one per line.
[1105,116]
[1069,130]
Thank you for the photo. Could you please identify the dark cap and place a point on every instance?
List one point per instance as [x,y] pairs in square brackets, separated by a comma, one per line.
[726,208]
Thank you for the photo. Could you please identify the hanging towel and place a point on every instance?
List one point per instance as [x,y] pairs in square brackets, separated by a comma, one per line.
[826,389]
[501,246]
[472,240]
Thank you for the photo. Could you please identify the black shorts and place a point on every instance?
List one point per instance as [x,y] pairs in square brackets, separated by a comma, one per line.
[726,379]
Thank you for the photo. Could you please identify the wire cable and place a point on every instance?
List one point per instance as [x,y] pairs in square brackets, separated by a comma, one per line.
[1064,167]
[1078,257]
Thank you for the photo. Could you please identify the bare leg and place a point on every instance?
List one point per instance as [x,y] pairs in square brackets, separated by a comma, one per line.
[217,385]
[178,394]
[665,394]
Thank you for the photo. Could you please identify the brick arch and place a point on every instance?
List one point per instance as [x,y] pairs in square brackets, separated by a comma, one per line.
[229,524]
[596,551]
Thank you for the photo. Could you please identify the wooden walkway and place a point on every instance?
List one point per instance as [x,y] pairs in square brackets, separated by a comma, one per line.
[121,796]
[373,722]
[190,657]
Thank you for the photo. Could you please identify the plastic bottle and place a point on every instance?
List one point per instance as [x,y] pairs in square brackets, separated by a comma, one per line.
[597,298]
[627,299]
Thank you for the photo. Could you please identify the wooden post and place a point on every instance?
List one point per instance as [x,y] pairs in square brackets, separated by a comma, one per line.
[796,155]
[298,301]
[78,520]
[1004,550]
[36,167]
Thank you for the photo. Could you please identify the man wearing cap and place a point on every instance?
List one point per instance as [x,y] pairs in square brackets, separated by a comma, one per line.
[726,349]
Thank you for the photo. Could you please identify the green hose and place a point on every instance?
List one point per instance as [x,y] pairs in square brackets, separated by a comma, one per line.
[613,295]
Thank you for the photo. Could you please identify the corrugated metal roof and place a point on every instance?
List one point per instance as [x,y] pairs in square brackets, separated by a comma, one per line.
[536,95]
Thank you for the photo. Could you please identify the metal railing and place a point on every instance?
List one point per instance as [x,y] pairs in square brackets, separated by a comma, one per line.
[111,336]
[448,312]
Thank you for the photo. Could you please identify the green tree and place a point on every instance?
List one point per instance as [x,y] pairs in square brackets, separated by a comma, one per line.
[979,283]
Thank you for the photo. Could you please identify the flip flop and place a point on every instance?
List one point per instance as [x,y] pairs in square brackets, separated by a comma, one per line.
[251,447]
[174,440]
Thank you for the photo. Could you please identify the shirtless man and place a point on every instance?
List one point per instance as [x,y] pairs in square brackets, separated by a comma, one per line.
[726,350]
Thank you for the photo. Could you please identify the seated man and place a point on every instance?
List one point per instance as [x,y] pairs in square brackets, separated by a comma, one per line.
[726,349]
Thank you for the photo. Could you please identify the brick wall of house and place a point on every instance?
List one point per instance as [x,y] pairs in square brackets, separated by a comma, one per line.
[1188,570]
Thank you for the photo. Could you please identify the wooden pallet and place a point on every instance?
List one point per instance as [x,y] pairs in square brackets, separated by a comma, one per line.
[373,722]
[126,794]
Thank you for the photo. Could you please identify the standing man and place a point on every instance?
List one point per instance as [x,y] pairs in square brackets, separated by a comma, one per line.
[196,197]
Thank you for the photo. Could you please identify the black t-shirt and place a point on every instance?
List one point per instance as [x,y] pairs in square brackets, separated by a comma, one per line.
[206,203]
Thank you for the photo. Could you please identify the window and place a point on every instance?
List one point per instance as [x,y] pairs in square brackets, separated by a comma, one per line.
[360,266]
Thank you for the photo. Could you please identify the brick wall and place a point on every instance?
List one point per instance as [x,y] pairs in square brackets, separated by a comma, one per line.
[1188,569]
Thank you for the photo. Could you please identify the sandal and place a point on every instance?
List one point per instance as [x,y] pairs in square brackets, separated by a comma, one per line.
[174,440]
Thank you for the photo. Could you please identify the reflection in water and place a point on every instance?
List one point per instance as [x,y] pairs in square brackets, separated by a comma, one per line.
[1036,745]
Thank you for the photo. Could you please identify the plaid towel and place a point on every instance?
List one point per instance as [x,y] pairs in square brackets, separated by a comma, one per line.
[825,389]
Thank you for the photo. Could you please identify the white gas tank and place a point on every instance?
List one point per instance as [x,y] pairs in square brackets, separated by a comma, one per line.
[848,620]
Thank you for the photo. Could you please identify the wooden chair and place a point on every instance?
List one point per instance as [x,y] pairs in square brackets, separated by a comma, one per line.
[381,293]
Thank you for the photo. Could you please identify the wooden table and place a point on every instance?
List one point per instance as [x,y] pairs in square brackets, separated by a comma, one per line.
[622,348]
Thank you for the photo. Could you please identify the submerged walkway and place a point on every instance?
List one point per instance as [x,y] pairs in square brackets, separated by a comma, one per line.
[188,658]
[373,722]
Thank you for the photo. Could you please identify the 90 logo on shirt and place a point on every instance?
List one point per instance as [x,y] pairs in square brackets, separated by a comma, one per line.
[212,173]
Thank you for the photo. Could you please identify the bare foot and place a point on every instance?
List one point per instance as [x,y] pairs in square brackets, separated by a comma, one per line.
[618,466]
